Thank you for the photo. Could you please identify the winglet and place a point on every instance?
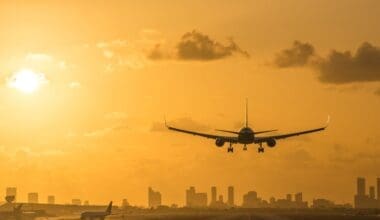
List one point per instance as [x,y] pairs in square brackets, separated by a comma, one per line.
[166,125]
[328,121]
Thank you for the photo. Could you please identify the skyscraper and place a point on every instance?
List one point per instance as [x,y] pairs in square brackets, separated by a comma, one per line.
[11,193]
[372,192]
[378,189]
[194,199]
[154,198]
[213,195]
[360,186]
[289,197]
[298,197]
[231,196]
[33,197]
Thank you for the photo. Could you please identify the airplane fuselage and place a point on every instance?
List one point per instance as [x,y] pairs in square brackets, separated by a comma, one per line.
[246,136]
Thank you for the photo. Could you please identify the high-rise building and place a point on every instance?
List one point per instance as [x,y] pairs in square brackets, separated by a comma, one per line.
[360,186]
[221,199]
[378,189]
[298,197]
[231,196]
[194,199]
[213,195]
[33,197]
[51,200]
[289,197]
[250,200]
[154,198]
[372,192]
[11,193]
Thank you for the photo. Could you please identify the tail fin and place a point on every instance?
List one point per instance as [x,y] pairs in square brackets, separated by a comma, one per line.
[246,112]
[17,209]
[109,208]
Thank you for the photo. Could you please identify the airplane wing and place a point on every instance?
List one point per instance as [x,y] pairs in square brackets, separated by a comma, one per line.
[283,136]
[212,136]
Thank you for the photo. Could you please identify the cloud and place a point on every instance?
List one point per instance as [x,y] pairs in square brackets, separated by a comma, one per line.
[120,55]
[74,85]
[157,53]
[343,67]
[186,123]
[105,131]
[116,115]
[298,55]
[197,46]
[39,57]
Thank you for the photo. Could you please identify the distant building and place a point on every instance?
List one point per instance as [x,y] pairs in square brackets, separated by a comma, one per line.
[250,200]
[289,197]
[231,196]
[372,192]
[194,199]
[76,202]
[154,198]
[86,203]
[125,203]
[33,197]
[378,189]
[213,195]
[360,186]
[323,204]
[11,194]
[51,200]
[363,201]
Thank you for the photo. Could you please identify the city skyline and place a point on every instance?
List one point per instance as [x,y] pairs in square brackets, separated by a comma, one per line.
[365,197]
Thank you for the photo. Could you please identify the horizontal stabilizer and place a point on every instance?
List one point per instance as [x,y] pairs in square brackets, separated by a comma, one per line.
[260,132]
[233,132]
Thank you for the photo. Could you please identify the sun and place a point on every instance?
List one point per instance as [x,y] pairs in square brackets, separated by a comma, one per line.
[27,81]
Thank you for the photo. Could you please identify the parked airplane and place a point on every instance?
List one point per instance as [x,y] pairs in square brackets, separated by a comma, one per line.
[247,136]
[96,215]
[14,214]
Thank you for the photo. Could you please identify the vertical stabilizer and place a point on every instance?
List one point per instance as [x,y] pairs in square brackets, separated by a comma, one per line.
[246,112]
[109,208]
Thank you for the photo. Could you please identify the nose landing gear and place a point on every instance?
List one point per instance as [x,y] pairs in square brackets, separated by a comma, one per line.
[230,149]
[245,147]
[260,149]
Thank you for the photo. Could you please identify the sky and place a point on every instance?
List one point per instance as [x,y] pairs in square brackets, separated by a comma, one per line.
[85,86]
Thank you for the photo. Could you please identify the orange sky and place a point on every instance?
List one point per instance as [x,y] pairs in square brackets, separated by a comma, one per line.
[93,130]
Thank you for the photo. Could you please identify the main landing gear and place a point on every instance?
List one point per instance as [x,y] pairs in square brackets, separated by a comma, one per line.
[230,149]
[245,147]
[260,149]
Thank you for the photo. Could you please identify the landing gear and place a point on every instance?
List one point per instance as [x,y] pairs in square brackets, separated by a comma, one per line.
[230,149]
[245,147]
[260,149]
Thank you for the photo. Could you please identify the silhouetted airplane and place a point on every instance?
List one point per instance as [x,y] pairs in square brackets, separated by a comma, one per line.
[96,215]
[14,214]
[246,135]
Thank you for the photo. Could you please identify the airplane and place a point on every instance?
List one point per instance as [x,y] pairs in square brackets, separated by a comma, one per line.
[247,136]
[16,213]
[96,215]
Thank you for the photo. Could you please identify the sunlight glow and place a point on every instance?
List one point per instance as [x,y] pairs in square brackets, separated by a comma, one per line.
[26,81]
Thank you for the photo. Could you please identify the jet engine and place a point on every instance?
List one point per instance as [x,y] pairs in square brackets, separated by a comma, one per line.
[271,142]
[219,142]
